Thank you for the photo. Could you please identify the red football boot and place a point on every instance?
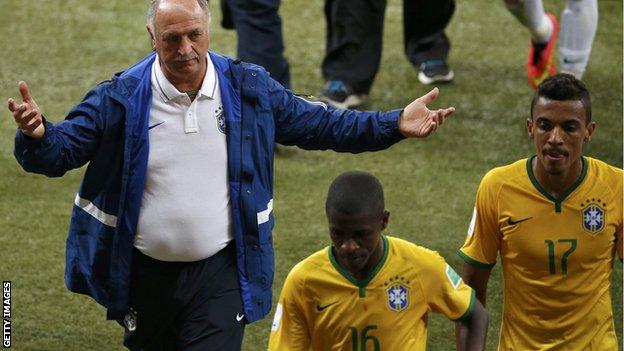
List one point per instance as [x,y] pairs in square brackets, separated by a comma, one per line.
[541,61]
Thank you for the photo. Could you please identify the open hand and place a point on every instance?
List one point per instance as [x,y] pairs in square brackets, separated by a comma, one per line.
[27,114]
[418,121]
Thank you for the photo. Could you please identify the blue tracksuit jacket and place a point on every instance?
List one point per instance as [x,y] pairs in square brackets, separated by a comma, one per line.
[108,130]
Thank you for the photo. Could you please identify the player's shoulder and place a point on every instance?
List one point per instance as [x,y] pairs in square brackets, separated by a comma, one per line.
[511,174]
[424,264]
[411,252]
[506,173]
[309,265]
[604,171]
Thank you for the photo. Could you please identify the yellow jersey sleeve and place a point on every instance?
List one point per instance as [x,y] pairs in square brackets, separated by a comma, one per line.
[289,331]
[483,240]
[444,290]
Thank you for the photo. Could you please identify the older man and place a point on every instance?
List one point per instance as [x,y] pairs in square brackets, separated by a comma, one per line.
[171,228]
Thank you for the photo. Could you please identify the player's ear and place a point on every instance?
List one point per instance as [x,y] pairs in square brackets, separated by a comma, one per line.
[589,130]
[529,126]
[385,219]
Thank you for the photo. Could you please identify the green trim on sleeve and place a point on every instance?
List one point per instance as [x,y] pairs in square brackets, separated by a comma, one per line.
[473,299]
[471,261]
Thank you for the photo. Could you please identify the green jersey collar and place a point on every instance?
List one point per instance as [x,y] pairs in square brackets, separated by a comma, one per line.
[565,193]
[361,284]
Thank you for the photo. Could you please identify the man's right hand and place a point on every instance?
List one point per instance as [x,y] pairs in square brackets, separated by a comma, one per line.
[27,114]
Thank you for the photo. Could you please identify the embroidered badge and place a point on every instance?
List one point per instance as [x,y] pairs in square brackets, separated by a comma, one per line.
[130,320]
[398,299]
[220,118]
[593,215]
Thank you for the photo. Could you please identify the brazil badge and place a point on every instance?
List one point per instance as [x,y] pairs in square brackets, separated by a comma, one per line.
[398,299]
[593,218]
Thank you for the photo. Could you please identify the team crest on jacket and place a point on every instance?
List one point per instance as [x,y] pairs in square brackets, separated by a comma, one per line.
[398,299]
[220,117]
[130,320]
[593,216]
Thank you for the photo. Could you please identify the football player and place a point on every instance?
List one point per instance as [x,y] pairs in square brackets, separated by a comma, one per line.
[556,221]
[368,291]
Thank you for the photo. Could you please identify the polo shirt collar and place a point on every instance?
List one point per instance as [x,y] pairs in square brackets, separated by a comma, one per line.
[169,92]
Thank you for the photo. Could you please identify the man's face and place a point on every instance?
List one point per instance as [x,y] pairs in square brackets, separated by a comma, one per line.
[558,129]
[356,239]
[180,37]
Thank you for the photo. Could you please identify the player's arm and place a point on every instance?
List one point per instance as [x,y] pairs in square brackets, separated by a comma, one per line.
[471,332]
[483,240]
[448,294]
[289,331]
[477,278]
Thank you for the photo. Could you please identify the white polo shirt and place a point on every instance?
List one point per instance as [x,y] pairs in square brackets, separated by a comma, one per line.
[185,213]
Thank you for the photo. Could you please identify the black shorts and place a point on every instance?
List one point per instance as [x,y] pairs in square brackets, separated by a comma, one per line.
[185,305]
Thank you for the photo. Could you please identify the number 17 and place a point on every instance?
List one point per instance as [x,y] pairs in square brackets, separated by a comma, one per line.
[564,258]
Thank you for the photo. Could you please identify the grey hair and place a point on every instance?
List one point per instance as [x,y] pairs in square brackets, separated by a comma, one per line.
[153,4]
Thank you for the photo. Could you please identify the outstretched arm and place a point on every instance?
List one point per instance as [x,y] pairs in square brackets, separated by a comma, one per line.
[27,115]
[470,333]
[53,149]
[418,121]
[316,126]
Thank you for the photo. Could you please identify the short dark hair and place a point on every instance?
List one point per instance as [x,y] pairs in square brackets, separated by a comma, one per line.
[355,192]
[564,87]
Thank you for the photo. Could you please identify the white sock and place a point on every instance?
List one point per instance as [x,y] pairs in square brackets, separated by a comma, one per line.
[531,14]
[579,21]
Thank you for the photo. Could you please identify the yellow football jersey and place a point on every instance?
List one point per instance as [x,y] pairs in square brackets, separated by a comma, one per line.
[323,307]
[557,255]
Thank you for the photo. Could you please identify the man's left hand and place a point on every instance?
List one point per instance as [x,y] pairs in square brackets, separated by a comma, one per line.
[418,121]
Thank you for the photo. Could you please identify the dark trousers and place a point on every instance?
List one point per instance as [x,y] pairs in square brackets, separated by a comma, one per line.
[259,30]
[354,37]
[185,305]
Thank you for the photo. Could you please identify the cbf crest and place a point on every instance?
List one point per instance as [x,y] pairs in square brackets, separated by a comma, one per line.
[130,320]
[398,297]
[220,119]
[593,215]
